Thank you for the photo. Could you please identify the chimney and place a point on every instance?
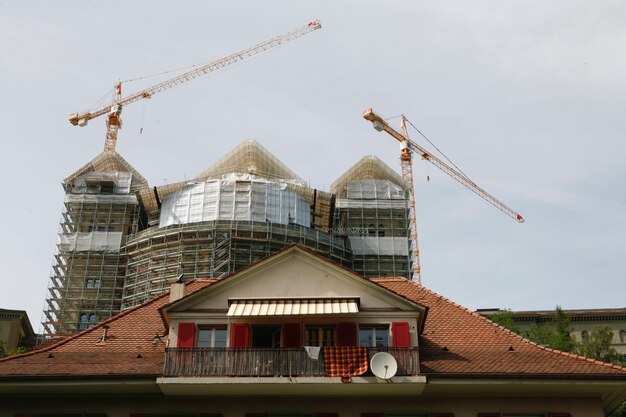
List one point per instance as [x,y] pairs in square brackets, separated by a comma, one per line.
[177,291]
[105,334]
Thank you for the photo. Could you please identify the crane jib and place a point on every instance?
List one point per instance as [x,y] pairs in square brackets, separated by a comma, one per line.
[379,122]
[81,119]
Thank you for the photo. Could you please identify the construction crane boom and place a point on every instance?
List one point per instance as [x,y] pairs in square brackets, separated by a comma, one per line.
[380,124]
[114,122]
[407,147]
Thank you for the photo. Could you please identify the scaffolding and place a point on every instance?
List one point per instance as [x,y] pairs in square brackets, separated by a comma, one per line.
[121,243]
[372,210]
[159,256]
[87,278]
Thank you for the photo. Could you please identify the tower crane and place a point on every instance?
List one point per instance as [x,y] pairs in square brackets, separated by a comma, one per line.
[407,147]
[114,111]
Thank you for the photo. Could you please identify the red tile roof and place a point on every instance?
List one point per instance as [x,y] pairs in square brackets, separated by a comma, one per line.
[458,342]
[455,343]
[129,349]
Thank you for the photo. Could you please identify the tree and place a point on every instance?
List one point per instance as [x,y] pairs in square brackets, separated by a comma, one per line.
[505,319]
[598,345]
[2,349]
[562,338]
[556,334]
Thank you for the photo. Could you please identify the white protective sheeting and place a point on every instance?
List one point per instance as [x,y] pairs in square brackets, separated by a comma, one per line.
[91,182]
[101,198]
[379,245]
[372,204]
[92,241]
[370,189]
[235,198]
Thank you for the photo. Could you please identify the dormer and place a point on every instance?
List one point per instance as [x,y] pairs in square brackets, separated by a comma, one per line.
[294,314]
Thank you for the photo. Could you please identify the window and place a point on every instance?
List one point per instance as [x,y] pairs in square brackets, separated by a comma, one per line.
[584,335]
[86,321]
[92,283]
[212,337]
[374,336]
[320,335]
[622,336]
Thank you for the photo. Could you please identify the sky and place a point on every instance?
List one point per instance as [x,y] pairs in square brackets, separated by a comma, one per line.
[526,97]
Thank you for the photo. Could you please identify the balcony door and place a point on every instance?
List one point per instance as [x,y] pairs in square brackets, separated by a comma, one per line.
[265,336]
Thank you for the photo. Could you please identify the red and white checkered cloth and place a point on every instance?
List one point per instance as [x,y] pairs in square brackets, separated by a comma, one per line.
[345,360]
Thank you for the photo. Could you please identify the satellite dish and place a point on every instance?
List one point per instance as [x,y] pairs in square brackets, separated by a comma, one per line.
[383,365]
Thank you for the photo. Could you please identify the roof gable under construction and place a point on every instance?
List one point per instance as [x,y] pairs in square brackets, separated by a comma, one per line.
[251,158]
[109,162]
[369,167]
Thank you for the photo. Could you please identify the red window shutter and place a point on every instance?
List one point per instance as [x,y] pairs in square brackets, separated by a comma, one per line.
[346,334]
[239,335]
[186,335]
[400,333]
[291,335]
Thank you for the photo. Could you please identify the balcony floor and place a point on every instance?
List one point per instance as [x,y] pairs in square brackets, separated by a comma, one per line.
[359,385]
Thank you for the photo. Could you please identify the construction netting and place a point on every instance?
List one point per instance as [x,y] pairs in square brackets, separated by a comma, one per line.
[371,189]
[235,197]
[363,245]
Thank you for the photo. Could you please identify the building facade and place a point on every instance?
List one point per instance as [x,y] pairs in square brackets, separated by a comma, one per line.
[122,242]
[15,330]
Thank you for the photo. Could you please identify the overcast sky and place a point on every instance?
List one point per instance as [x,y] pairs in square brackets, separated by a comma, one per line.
[527,97]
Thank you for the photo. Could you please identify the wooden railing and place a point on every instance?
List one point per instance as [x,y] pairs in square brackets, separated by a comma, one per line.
[205,362]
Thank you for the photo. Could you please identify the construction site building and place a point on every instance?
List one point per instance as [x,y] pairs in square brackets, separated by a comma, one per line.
[122,242]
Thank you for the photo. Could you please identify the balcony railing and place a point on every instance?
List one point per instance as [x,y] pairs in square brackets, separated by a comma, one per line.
[216,362]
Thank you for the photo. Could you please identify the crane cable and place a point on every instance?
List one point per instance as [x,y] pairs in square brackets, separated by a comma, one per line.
[433,145]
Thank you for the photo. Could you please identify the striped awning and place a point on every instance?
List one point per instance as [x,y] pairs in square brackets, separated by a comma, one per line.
[292,306]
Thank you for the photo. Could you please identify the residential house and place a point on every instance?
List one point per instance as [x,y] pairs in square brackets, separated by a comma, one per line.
[247,346]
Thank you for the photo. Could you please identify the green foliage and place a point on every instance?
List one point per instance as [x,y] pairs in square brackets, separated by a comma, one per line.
[619,411]
[557,334]
[598,345]
[505,319]
[18,351]
[562,338]
[4,353]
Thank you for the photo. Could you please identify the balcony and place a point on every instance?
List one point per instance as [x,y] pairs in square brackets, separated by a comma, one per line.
[272,362]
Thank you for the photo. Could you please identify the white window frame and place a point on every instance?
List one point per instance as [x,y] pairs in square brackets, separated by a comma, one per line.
[213,329]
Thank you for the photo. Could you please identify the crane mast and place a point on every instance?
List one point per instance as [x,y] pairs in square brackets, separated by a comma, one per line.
[114,121]
[406,164]
[407,147]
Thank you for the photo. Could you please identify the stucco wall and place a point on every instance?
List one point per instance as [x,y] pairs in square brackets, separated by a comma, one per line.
[122,406]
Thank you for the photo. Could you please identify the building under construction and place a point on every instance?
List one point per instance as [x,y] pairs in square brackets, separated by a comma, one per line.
[121,242]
